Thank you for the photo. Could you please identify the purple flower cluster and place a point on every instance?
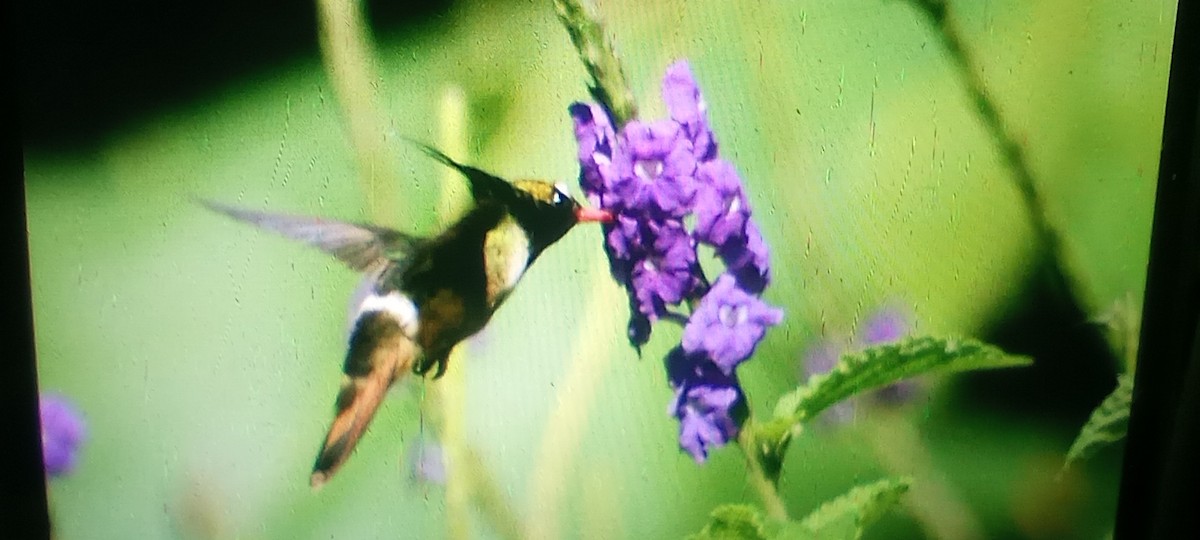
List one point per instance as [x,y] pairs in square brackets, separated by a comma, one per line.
[63,431]
[652,175]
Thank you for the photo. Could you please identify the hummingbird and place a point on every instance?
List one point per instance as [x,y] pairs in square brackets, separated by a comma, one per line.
[425,294]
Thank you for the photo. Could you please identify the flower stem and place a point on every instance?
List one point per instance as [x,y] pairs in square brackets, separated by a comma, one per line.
[766,488]
[347,53]
[1011,151]
[608,86]
[568,420]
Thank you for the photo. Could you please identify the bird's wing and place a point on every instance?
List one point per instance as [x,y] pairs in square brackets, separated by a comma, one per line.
[361,247]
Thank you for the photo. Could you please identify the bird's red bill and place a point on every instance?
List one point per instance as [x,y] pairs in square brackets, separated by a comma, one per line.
[593,214]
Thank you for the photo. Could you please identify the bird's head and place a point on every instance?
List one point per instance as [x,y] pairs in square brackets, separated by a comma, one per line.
[547,211]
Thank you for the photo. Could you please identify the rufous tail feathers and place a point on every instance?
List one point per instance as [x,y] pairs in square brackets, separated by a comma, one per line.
[379,353]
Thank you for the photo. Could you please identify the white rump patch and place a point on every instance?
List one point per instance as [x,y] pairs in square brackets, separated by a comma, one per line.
[397,305]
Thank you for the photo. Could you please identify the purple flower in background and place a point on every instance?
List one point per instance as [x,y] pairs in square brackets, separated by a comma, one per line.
[728,324]
[652,176]
[884,326]
[887,325]
[428,462]
[63,431]
[818,359]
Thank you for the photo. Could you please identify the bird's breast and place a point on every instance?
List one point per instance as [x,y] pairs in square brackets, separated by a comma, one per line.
[505,258]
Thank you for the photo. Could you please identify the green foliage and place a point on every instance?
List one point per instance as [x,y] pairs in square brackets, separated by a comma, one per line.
[886,364]
[848,516]
[1107,424]
[732,522]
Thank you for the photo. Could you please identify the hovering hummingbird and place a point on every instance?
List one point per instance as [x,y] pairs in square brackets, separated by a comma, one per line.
[424,295]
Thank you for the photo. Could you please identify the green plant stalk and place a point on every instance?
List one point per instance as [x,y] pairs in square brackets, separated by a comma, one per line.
[491,501]
[759,480]
[452,116]
[608,86]
[898,446]
[1050,240]
[346,51]
[567,422]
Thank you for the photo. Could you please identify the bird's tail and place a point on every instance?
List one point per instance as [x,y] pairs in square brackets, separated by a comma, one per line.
[379,353]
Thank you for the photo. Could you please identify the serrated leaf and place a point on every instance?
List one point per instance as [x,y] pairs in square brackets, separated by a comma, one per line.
[1107,425]
[885,364]
[848,516]
[732,522]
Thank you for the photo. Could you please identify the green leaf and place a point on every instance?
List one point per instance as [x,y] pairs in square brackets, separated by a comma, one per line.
[1107,424]
[848,516]
[732,522]
[886,364]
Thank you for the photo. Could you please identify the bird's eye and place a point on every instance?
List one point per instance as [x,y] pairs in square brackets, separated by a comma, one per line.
[560,194]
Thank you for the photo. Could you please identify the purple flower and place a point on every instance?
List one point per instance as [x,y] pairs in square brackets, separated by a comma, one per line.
[884,326]
[428,462]
[721,207]
[818,359]
[63,431]
[653,175]
[596,139]
[728,324]
[708,403]
[747,259]
[654,170]
[664,275]
[687,107]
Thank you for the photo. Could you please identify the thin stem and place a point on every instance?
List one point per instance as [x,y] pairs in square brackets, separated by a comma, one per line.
[596,51]
[935,504]
[491,501]
[452,113]
[468,481]
[568,420]
[1011,151]
[347,53]
[767,490]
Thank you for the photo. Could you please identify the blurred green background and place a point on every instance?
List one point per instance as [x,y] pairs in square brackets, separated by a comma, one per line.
[205,355]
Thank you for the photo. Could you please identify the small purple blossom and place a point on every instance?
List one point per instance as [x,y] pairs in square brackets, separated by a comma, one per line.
[728,324]
[664,275]
[721,207]
[686,106]
[655,170]
[747,259]
[884,326]
[709,403]
[595,135]
[652,175]
[428,462]
[63,431]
